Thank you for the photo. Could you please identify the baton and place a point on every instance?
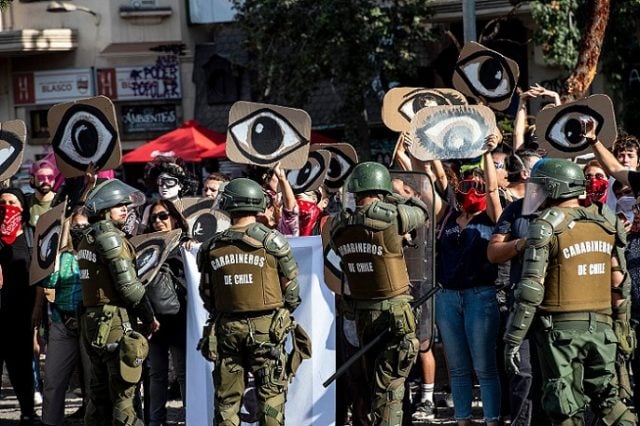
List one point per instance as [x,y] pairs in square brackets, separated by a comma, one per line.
[348,363]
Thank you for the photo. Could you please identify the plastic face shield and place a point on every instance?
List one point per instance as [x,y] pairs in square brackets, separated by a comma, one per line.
[535,196]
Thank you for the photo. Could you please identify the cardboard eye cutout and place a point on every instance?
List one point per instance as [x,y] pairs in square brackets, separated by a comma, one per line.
[486,75]
[264,134]
[332,269]
[312,174]
[448,132]
[401,104]
[152,251]
[85,132]
[561,127]
[204,220]
[45,253]
[343,160]
[13,135]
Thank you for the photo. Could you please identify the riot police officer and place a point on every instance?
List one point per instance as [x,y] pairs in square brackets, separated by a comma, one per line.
[249,286]
[574,290]
[369,242]
[111,294]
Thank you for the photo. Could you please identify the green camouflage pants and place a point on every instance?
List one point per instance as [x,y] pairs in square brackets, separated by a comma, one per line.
[388,364]
[245,344]
[110,397]
[577,359]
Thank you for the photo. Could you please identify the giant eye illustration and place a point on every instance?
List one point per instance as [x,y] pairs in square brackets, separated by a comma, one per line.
[339,167]
[84,136]
[418,99]
[202,223]
[48,245]
[311,175]
[11,146]
[265,136]
[565,130]
[451,132]
[486,75]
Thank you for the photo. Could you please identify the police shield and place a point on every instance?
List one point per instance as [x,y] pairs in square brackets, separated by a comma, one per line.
[419,249]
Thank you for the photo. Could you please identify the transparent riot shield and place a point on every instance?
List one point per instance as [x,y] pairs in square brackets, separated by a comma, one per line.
[419,251]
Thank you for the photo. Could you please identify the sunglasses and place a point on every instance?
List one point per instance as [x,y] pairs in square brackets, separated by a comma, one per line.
[465,186]
[48,178]
[160,215]
[498,165]
[167,182]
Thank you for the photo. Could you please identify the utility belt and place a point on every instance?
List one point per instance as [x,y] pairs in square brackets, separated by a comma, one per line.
[377,305]
[588,321]
[105,315]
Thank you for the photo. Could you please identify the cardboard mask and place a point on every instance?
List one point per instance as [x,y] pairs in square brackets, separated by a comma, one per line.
[152,251]
[448,132]
[264,134]
[561,127]
[13,135]
[204,220]
[46,248]
[401,104]
[85,132]
[312,174]
[343,160]
[486,75]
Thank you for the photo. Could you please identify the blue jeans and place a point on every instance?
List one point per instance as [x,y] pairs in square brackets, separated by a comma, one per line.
[468,321]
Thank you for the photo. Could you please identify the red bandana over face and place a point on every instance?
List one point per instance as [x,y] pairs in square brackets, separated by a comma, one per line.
[11,223]
[309,213]
[596,191]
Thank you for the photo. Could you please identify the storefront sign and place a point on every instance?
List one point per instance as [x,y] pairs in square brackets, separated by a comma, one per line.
[148,118]
[52,87]
[146,82]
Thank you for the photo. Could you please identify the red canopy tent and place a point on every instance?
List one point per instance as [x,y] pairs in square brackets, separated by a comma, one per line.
[191,143]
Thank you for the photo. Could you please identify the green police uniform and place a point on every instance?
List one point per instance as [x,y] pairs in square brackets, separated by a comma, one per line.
[369,243]
[566,293]
[110,286]
[242,270]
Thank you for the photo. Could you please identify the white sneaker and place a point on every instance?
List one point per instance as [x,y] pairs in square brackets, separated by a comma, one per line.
[37,398]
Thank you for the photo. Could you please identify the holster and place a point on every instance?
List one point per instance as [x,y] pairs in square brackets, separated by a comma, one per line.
[208,343]
[301,349]
[280,325]
[103,330]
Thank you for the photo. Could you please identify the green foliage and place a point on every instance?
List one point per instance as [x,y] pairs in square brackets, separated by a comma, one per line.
[4,4]
[558,30]
[294,44]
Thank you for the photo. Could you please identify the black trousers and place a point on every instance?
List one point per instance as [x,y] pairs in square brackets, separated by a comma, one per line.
[16,351]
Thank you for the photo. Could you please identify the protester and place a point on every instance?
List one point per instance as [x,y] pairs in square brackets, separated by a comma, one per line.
[282,211]
[20,304]
[211,184]
[43,176]
[65,349]
[168,296]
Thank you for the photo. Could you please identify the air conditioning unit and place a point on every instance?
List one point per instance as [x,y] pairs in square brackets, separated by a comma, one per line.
[143,4]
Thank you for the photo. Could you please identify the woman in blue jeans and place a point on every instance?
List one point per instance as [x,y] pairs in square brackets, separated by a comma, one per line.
[466,309]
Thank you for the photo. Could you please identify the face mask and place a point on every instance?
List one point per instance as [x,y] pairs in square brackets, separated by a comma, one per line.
[309,213]
[11,223]
[168,187]
[596,191]
[77,234]
[472,201]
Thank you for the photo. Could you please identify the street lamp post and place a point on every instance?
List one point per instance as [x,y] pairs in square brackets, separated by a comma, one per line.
[64,7]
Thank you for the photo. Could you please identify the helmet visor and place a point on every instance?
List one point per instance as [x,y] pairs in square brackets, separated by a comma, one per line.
[535,196]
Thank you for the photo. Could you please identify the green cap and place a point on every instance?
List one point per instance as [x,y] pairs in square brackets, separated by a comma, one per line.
[370,176]
[134,349]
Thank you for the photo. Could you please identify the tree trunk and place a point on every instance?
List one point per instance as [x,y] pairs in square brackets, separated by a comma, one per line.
[585,71]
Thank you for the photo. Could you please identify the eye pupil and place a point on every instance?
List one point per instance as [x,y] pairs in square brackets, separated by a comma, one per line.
[490,73]
[266,135]
[304,174]
[573,131]
[85,138]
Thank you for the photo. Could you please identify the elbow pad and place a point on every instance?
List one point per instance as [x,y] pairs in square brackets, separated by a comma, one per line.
[411,217]
[292,295]
[276,245]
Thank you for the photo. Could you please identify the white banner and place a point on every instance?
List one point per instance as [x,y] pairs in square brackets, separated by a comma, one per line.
[308,403]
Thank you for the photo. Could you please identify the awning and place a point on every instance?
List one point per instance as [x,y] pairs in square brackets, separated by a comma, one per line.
[38,41]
